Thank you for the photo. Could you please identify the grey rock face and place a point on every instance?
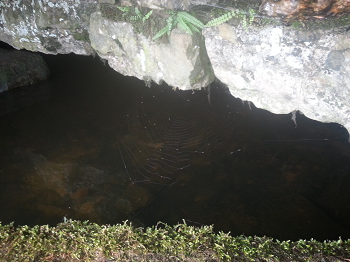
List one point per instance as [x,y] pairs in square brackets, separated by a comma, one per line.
[52,27]
[181,61]
[61,27]
[20,68]
[282,69]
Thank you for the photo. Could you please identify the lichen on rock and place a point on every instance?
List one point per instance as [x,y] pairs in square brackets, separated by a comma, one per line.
[46,26]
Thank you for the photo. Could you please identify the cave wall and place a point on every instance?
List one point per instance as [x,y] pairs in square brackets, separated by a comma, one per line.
[281,67]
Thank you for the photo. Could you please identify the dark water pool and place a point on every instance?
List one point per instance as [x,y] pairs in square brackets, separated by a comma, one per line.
[92,144]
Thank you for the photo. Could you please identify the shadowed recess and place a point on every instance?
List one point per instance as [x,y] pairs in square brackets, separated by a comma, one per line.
[167,131]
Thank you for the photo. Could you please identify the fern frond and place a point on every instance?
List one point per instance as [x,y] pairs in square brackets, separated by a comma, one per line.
[221,19]
[171,22]
[184,20]
[137,11]
[193,28]
[123,8]
[184,26]
[245,23]
[147,16]
[169,26]
[251,16]
[191,19]
[134,17]
[161,32]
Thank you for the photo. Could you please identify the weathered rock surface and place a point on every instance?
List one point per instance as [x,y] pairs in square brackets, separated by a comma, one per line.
[20,68]
[58,182]
[282,69]
[25,96]
[134,54]
[302,9]
[51,27]
[68,26]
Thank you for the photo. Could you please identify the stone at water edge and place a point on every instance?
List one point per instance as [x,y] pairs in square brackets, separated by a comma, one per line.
[21,68]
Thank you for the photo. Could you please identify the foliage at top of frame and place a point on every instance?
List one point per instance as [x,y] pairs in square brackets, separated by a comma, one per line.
[184,20]
[139,17]
[190,24]
[145,23]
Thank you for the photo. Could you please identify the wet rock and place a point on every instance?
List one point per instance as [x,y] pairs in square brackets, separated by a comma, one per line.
[303,9]
[21,68]
[84,190]
[137,196]
[87,207]
[50,211]
[24,96]
[80,194]
[123,206]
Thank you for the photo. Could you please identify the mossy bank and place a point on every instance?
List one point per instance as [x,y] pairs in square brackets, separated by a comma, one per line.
[84,241]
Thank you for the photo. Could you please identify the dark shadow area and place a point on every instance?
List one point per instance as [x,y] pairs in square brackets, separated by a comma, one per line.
[106,148]
[5,45]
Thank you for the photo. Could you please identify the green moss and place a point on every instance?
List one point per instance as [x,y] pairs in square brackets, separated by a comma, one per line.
[50,43]
[81,36]
[84,241]
[297,25]
[4,76]
[339,24]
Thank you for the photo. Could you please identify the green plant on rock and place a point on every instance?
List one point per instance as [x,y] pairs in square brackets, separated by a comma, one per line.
[191,24]
[184,20]
[137,16]
[221,19]
[247,18]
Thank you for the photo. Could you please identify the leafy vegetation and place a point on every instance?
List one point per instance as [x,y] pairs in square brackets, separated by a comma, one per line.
[143,21]
[185,21]
[191,24]
[138,15]
[246,19]
[84,241]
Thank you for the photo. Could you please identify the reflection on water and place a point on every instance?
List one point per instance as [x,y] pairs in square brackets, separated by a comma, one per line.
[106,148]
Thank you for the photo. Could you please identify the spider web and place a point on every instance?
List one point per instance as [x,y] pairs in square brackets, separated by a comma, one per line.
[168,131]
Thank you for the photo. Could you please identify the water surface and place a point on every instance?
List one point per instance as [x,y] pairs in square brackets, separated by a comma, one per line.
[104,147]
